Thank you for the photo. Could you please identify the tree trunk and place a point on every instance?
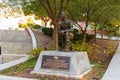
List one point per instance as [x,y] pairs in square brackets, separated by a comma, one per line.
[84,35]
[95,33]
[55,36]
[85,30]
[102,33]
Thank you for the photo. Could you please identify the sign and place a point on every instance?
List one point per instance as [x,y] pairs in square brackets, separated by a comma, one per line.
[55,62]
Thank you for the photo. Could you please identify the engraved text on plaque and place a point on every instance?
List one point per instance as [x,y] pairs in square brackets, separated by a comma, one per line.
[55,62]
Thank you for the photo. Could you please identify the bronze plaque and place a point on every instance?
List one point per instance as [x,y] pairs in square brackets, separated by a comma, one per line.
[55,62]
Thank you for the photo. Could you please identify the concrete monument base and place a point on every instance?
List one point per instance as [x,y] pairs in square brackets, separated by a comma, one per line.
[68,64]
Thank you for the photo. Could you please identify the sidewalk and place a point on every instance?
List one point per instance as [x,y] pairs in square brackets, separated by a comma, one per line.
[14,78]
[113,70]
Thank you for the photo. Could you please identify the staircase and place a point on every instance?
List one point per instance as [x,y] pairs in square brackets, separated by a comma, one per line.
[15,42]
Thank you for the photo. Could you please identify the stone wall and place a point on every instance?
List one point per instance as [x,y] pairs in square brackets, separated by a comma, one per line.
[15,42]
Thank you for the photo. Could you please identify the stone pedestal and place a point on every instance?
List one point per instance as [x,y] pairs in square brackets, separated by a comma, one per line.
[69,64]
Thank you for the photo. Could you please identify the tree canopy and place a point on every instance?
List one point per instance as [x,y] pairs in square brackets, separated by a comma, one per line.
[98,11]
[50,8]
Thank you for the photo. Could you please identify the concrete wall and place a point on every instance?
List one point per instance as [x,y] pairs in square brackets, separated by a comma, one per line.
[15,48]
[19,36]
[15,42]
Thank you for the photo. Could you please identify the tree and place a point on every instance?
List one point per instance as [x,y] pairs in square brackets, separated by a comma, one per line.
[90,11]
[50,8]
[97,11]
[109,12]
[54,9]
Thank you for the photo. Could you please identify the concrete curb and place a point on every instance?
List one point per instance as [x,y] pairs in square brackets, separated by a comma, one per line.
[113,70]
[14,78]
[13,63]
[34,42]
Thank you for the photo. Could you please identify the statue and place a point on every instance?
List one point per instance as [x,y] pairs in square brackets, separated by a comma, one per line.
[65,29]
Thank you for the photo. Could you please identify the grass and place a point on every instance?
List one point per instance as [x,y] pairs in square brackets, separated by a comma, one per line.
[20,68]
[100,67]
[97,71]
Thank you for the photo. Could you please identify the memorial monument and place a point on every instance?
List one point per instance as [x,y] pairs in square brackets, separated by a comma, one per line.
[63,63]
[67,64]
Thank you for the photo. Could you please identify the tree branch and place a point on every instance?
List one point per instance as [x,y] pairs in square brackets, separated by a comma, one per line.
[45,8]
[50,8]
[66,4]
[61,7]
[55,10]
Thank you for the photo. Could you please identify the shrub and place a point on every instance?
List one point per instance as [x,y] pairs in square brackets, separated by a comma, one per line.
[93,50]
[23,25]
[79,46]
[89,37]
[35,52]
[50,47]
[75,31]
[36,27]
[47,31]
[110,48]
[79,36]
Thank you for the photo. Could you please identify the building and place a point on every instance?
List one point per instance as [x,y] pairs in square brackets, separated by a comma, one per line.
[10,17]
